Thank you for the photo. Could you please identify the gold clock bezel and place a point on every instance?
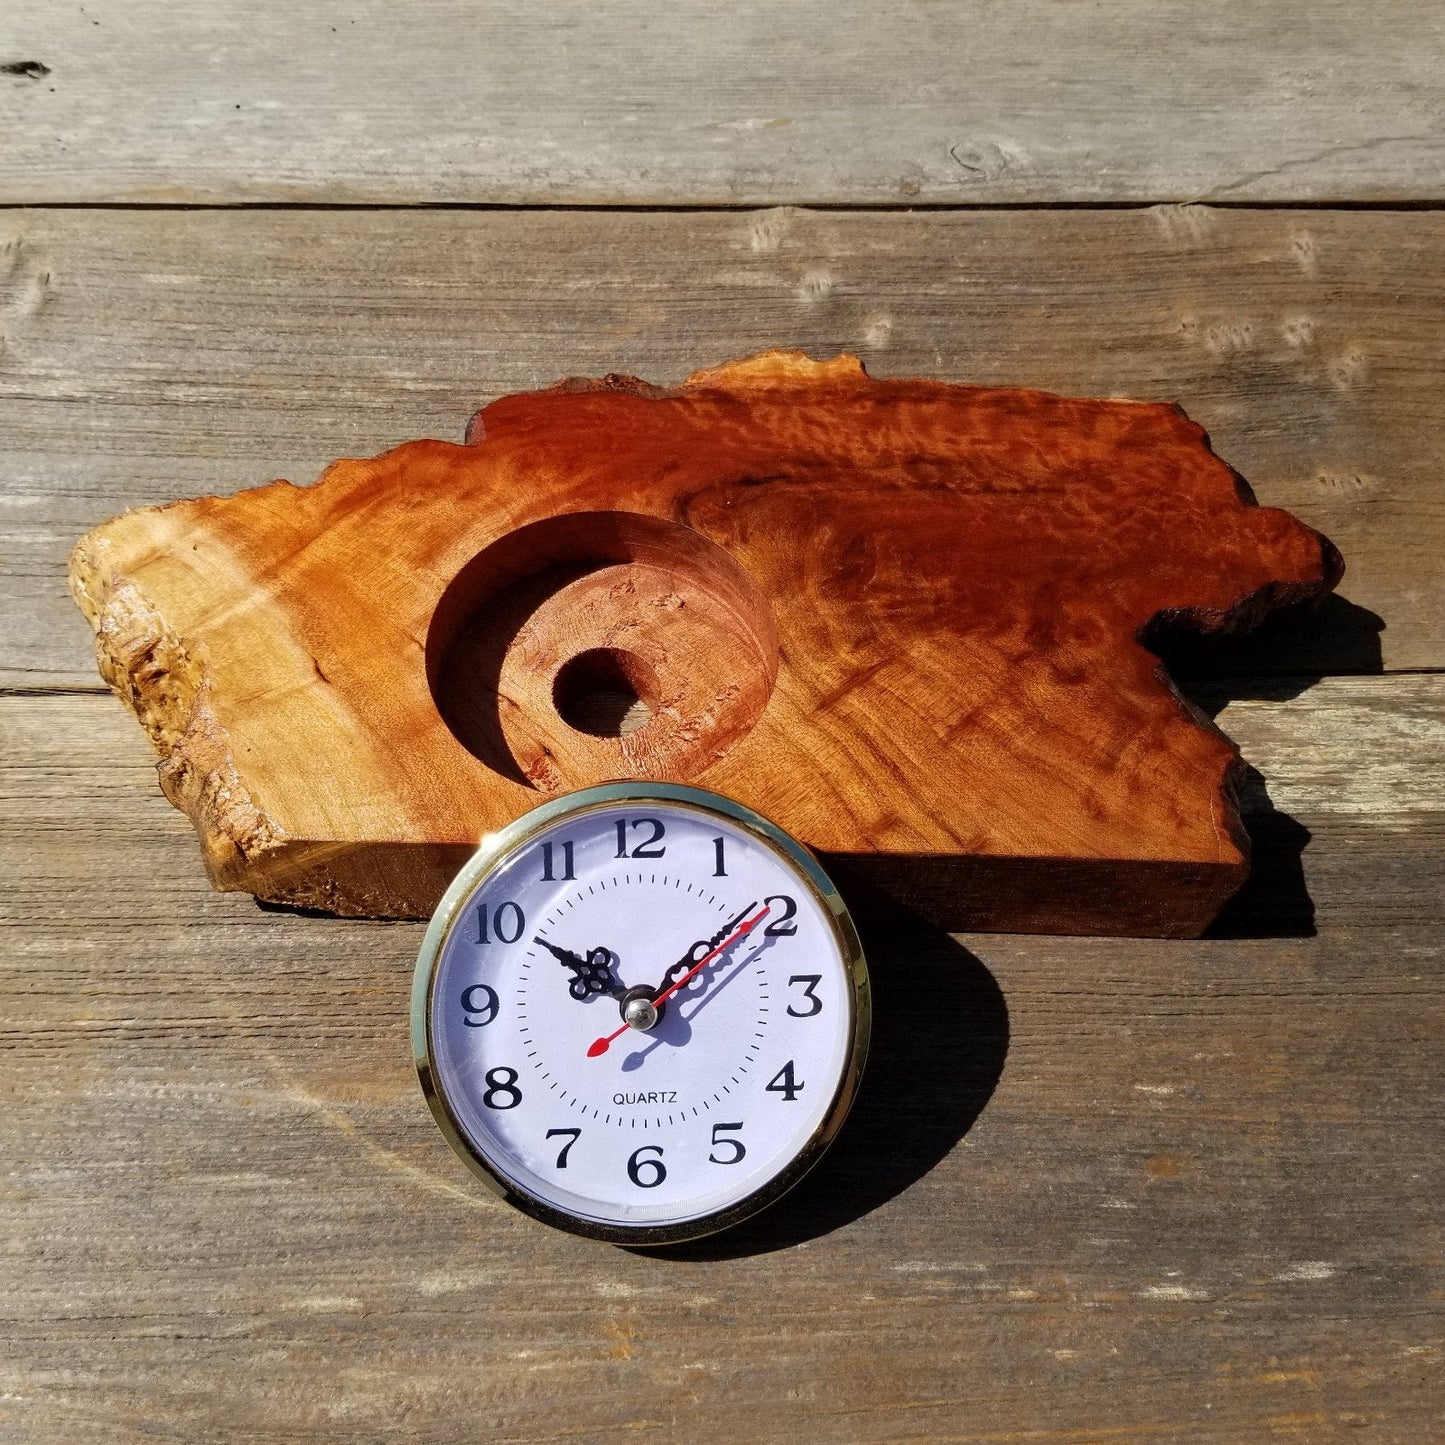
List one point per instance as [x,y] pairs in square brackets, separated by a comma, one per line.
[494,849]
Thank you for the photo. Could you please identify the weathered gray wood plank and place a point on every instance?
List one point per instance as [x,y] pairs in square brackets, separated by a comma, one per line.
[148,356]
[640,101]
[1202,1201]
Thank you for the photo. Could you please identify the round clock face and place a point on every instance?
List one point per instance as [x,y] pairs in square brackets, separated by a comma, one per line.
[641,1012]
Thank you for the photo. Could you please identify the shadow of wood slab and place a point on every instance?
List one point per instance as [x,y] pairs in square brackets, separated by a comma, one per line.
[900,617]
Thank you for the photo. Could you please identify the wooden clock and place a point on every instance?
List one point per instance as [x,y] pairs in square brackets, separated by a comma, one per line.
[904,620]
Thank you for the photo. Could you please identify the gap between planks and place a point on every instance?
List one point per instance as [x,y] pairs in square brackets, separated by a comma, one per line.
[607,208]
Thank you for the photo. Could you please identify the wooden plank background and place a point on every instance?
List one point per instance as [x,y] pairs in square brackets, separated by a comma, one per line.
[1095,1190]
[156,354]
[643,102]
[1200,1202]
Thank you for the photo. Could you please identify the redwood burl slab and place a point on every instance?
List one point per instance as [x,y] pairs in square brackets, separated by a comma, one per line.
[901,618]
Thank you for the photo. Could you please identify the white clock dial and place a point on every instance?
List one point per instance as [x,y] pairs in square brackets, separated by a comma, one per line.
[641,1012]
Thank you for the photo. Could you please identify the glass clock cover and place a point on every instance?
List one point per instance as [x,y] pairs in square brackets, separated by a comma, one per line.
[640,1012]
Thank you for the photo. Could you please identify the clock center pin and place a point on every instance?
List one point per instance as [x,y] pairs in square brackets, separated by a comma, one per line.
[639,1011]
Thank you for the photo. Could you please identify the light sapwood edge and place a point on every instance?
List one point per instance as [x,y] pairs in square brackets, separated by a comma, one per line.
[159,677]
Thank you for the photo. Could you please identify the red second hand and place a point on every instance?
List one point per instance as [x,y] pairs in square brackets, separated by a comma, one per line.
[600,1046]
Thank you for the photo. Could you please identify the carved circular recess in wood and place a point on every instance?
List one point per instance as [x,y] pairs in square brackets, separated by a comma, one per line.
[601,645]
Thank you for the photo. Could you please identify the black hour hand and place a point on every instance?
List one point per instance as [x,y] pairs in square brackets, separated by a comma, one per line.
[590,975]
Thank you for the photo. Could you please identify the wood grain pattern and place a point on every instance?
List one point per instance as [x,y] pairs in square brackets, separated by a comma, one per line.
[148,357]
[1197,1200]
[820,587]
[639,101]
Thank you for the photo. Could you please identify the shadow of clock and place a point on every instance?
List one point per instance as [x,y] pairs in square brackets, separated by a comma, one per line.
[940,1035]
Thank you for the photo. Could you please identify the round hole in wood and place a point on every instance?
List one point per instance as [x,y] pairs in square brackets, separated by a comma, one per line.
[601,645]
[605,692]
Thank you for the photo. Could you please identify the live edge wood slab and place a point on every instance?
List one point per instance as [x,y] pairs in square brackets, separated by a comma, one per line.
[906,620]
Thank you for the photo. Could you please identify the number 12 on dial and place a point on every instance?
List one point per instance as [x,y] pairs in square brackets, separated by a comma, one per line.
[641,1013]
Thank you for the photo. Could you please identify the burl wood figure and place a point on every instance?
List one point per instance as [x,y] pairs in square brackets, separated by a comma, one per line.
[901,618]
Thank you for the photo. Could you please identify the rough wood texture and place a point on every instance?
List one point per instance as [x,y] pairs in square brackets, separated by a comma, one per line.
[900,618]
[643,101]
[148,357]
[1094,1190]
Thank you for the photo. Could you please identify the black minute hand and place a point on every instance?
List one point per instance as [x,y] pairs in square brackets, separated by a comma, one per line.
[701,949]
[592,974]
